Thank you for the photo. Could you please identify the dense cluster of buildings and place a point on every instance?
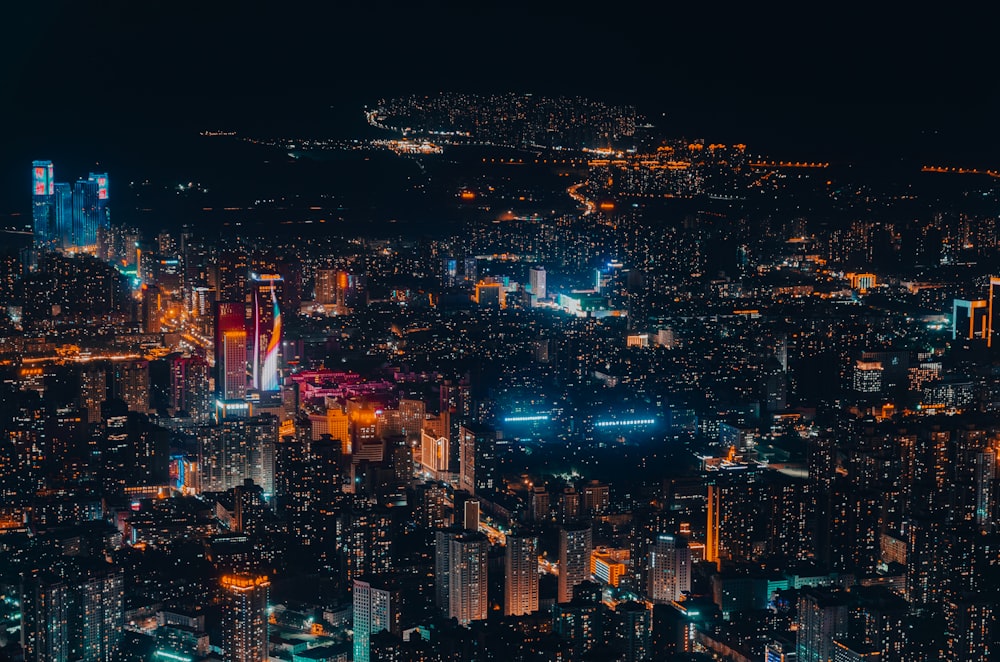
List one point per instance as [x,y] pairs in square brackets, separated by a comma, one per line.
[550,437]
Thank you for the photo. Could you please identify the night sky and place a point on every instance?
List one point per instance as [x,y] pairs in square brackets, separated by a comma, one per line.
[823,75]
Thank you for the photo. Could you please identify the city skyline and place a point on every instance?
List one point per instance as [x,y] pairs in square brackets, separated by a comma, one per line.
[440,332]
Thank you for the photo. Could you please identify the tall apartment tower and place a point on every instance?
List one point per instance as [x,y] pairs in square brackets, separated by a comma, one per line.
[73,612]
[669,569]
[575,547]
[521,575]
[377,607]
[460,574]
[244,618]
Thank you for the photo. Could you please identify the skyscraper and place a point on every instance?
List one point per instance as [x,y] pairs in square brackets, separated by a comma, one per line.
[244,618]
[230,350]
[43,212]
[521,575]
[377,606]
[575,547]
[266,331]
[85,215]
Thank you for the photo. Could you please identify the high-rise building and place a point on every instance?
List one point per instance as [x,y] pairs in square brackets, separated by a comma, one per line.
[377,607]
[636,630]
[536,280]
[74,611]
[85,215]
[669,569]
[265,331]
[575,547]
[477,458]
[521,574]
[822,617]
[43,212]
[230,350]
[434,453]
[244,618]
[467,580]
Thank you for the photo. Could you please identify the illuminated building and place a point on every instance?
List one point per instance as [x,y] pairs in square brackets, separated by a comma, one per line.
[575,547]
[969,319]
[862,281]
[189,387]
[477,458]
[449,271]
[93,390]
[85,215]
[970,621]
[43,211]
[596,498]
[367,541]
[467,578]
[669,568]
[490,295]
[712,526]
[230,351]
[822,617]
[636,627]
[63,207]
[266,331]
[991,320]
[608,565]
[238,449]
[377,607]
[130,382]
[244,618]
[74,611]
[536,283]
[867,376]
[434,453]
[520,574]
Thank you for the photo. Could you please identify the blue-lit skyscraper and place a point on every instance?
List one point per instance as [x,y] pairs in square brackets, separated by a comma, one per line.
[85,219]
[43,212]
[74,219]
[64,215]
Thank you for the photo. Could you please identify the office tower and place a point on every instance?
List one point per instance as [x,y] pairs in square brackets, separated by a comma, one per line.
[520,574]
[635,622]
[467,580]
[575,547]
[63,209]
[822,617]
[377,607]
[244,618]
[536,281]
[72,611]
[265,331]
[470,269]
[43,211]
[969,319]
[230,351]
[669,569]
[85,215]
[326,287]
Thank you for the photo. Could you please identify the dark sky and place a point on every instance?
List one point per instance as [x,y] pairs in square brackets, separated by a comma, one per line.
[818,67]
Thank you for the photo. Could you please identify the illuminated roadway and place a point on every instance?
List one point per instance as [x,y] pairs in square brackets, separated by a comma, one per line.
[573,192]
